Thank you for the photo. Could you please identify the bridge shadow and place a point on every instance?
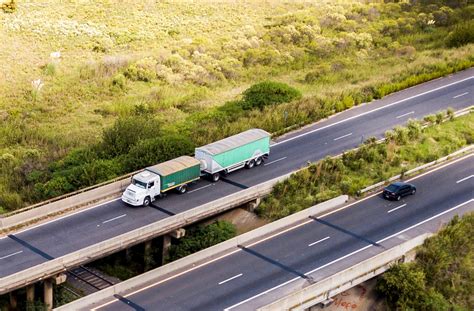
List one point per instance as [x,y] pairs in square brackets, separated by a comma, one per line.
[276,263]
[30,247]
[169,213]
[129,303]
[346,231]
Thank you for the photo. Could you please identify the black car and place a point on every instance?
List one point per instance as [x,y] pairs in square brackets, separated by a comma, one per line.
[397,190]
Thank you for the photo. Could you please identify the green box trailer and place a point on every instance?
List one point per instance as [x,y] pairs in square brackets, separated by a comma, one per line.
[248,148]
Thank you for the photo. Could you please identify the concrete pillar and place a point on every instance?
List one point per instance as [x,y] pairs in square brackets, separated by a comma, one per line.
[252,205]
[48,294]
[165,248]
[148,259]
[13,301]
[128,255]
[30,293]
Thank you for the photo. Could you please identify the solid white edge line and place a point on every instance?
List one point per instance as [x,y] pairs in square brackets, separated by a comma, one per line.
[343,136]
[272,236]
[230,279]
[368,112]
[115,218]
[350,254]
[465,93]
[404,115]
[13,254]
[275,161]
[204,187]
[464,179]
[319,241]
[394,209]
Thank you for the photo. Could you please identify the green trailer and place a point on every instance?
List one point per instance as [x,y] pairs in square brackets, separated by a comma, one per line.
[248,148]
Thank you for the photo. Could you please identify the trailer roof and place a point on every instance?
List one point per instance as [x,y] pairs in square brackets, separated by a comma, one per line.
[234,141]
[173,166]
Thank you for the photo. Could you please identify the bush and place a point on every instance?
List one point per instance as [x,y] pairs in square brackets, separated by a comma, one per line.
[461,35]
[126,132]
[201,237]
[119,81]
[269,93]
[9,7]
[141,71]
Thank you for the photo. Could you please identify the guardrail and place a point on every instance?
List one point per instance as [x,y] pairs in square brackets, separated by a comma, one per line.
[325,289]
[90,301]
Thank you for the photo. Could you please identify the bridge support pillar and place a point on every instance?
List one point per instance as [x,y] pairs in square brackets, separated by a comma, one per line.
[48,294]
[252,205]
[177,234]
[128,254]
[30,293]
[148,259]
[13,301]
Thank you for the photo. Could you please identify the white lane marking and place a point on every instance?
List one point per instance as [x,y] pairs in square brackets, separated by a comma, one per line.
[464,179]
[230,279]
[272,236]
[343,136]
[319,241]
[367,112]
[203,187]
[19,252]
[348,255]
[275,161]
[115,218]
[465,93]
[406,114]
[394,209]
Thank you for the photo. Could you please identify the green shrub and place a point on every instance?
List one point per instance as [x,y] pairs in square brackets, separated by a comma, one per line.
[431,118]
[139,73]
[50,69]
[9,7]
[439,117]
[119,81]
[461,35]
[201,237]
[128,131]
[269,93]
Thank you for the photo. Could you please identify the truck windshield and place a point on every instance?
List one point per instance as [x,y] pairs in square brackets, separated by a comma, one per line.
[139,183]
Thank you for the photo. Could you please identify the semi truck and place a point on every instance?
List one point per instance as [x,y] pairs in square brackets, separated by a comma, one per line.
[156,180]
[246,149]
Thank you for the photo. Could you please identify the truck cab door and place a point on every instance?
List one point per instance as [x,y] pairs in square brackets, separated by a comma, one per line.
[154,187]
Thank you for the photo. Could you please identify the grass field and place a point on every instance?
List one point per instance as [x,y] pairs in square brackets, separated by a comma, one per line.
[175,61]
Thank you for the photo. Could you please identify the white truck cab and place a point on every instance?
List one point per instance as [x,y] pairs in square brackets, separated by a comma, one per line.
[145,186]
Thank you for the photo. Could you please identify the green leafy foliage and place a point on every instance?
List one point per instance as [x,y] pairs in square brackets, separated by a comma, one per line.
[461,35]
[9,6]
[441,278]
[201,237]
[269,93]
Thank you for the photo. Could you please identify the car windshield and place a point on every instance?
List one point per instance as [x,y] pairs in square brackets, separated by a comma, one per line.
[393,188]
[139,183]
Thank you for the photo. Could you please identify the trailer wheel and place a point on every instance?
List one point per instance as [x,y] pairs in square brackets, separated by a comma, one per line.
[215,177]
[251,164]
[146,201]
[259,161]
[183,189]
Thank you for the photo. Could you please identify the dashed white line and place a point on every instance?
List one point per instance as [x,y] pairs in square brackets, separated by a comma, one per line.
[274,161]
[19,252]
[459,95]
[115,218]
[406,114]
[203,187]
[394,209]
[464,179]
[319,241]
[230,279]
[343,136]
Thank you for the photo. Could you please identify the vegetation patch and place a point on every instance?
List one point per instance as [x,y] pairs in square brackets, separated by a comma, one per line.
[441,277]
[405,148]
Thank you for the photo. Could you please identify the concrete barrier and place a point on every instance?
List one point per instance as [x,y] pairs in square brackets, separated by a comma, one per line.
[343,280]
[211,252]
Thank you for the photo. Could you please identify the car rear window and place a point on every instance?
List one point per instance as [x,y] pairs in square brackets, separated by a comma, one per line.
[393,188]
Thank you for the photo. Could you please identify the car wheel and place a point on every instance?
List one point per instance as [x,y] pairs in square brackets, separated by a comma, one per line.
[399,197]
[146,201]
[259,161]
[413,191]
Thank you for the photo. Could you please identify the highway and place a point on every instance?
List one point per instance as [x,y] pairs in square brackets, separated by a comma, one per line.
[262,272]
[346,130]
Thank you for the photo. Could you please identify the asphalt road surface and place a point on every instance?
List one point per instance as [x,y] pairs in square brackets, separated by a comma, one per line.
[259,274]
[344,131]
